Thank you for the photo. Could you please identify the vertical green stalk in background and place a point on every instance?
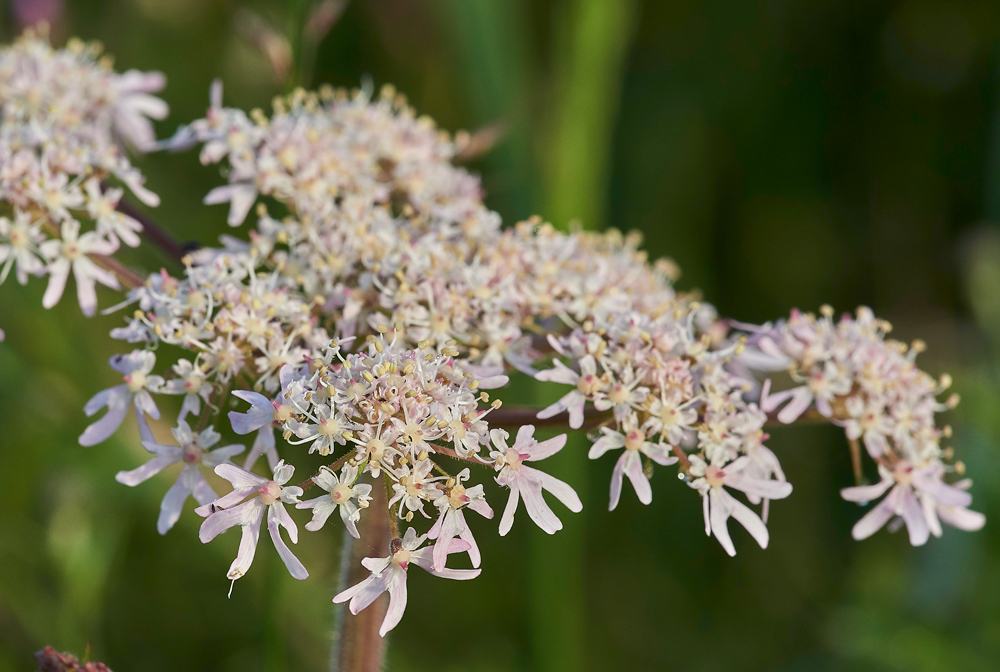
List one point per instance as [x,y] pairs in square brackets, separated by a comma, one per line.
[590,45]
[591,42]
[492,47]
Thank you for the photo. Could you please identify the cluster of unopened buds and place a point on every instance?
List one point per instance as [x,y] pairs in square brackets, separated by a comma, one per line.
[368,323]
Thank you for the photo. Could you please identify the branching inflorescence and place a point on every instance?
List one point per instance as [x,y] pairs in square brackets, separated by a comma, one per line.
[376,302]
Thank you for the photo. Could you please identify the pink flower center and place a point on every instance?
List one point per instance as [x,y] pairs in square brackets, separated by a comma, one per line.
[328,427]
[340,493]
[588,384]
[282,413]
[440,323]
[413,432]
[192,453]
[18,237]
[903,472]
[71,250]
[375,448]
[618,395]
[270,492]
[401,558]
[457,497]
[716,477]
[514,459]
[135,381]
[634,439]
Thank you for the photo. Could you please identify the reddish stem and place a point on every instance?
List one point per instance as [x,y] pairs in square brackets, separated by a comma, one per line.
[309,482]
[516,416]
[125,275]
[153,231]
[357,646]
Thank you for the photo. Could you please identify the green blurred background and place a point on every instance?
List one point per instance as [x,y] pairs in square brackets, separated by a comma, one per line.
[784,153]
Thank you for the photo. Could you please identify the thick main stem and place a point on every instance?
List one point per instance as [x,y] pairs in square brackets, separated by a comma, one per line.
[357,646]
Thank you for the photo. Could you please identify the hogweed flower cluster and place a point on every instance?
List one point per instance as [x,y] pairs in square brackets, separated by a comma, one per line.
[871,386]
[368,322]
[64,116]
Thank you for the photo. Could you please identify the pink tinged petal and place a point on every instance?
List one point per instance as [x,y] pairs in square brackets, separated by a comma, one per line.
[171,506]
[719,515]
[573,402]
[768,489]
[221,455]
[85,290]
[659,453]
[911,512]
[866,493]
[321,507]
[474,556]
[562,490]
[397,600]
[609,441]
[363,593]
[117,401]
[436,527]
[546,448]
[507,519]
[559,374]
[538,510]
[454,574]
[768,401]
[801,399]
[961,518]
[824,408]
[274,519]
[202,491]
[240,478]
[191,406]
[241,198]
[930,514]
[746,517]
[133,180]
[873,521]
[941,492]
[705,512]
[58,275]
[264,444]
[226,501]
[351,526]
[277,511]
[633,469]
[576,411]
[875,443]
[377,565]
[482,507]
[771,460]
[220,521]
[248,547]
[146,471]
[261,412]
[451,527]
[326,479]
[144,403]
[616,483]
[765,391]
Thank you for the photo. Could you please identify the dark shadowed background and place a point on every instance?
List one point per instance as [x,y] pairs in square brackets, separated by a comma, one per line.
[785,153]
